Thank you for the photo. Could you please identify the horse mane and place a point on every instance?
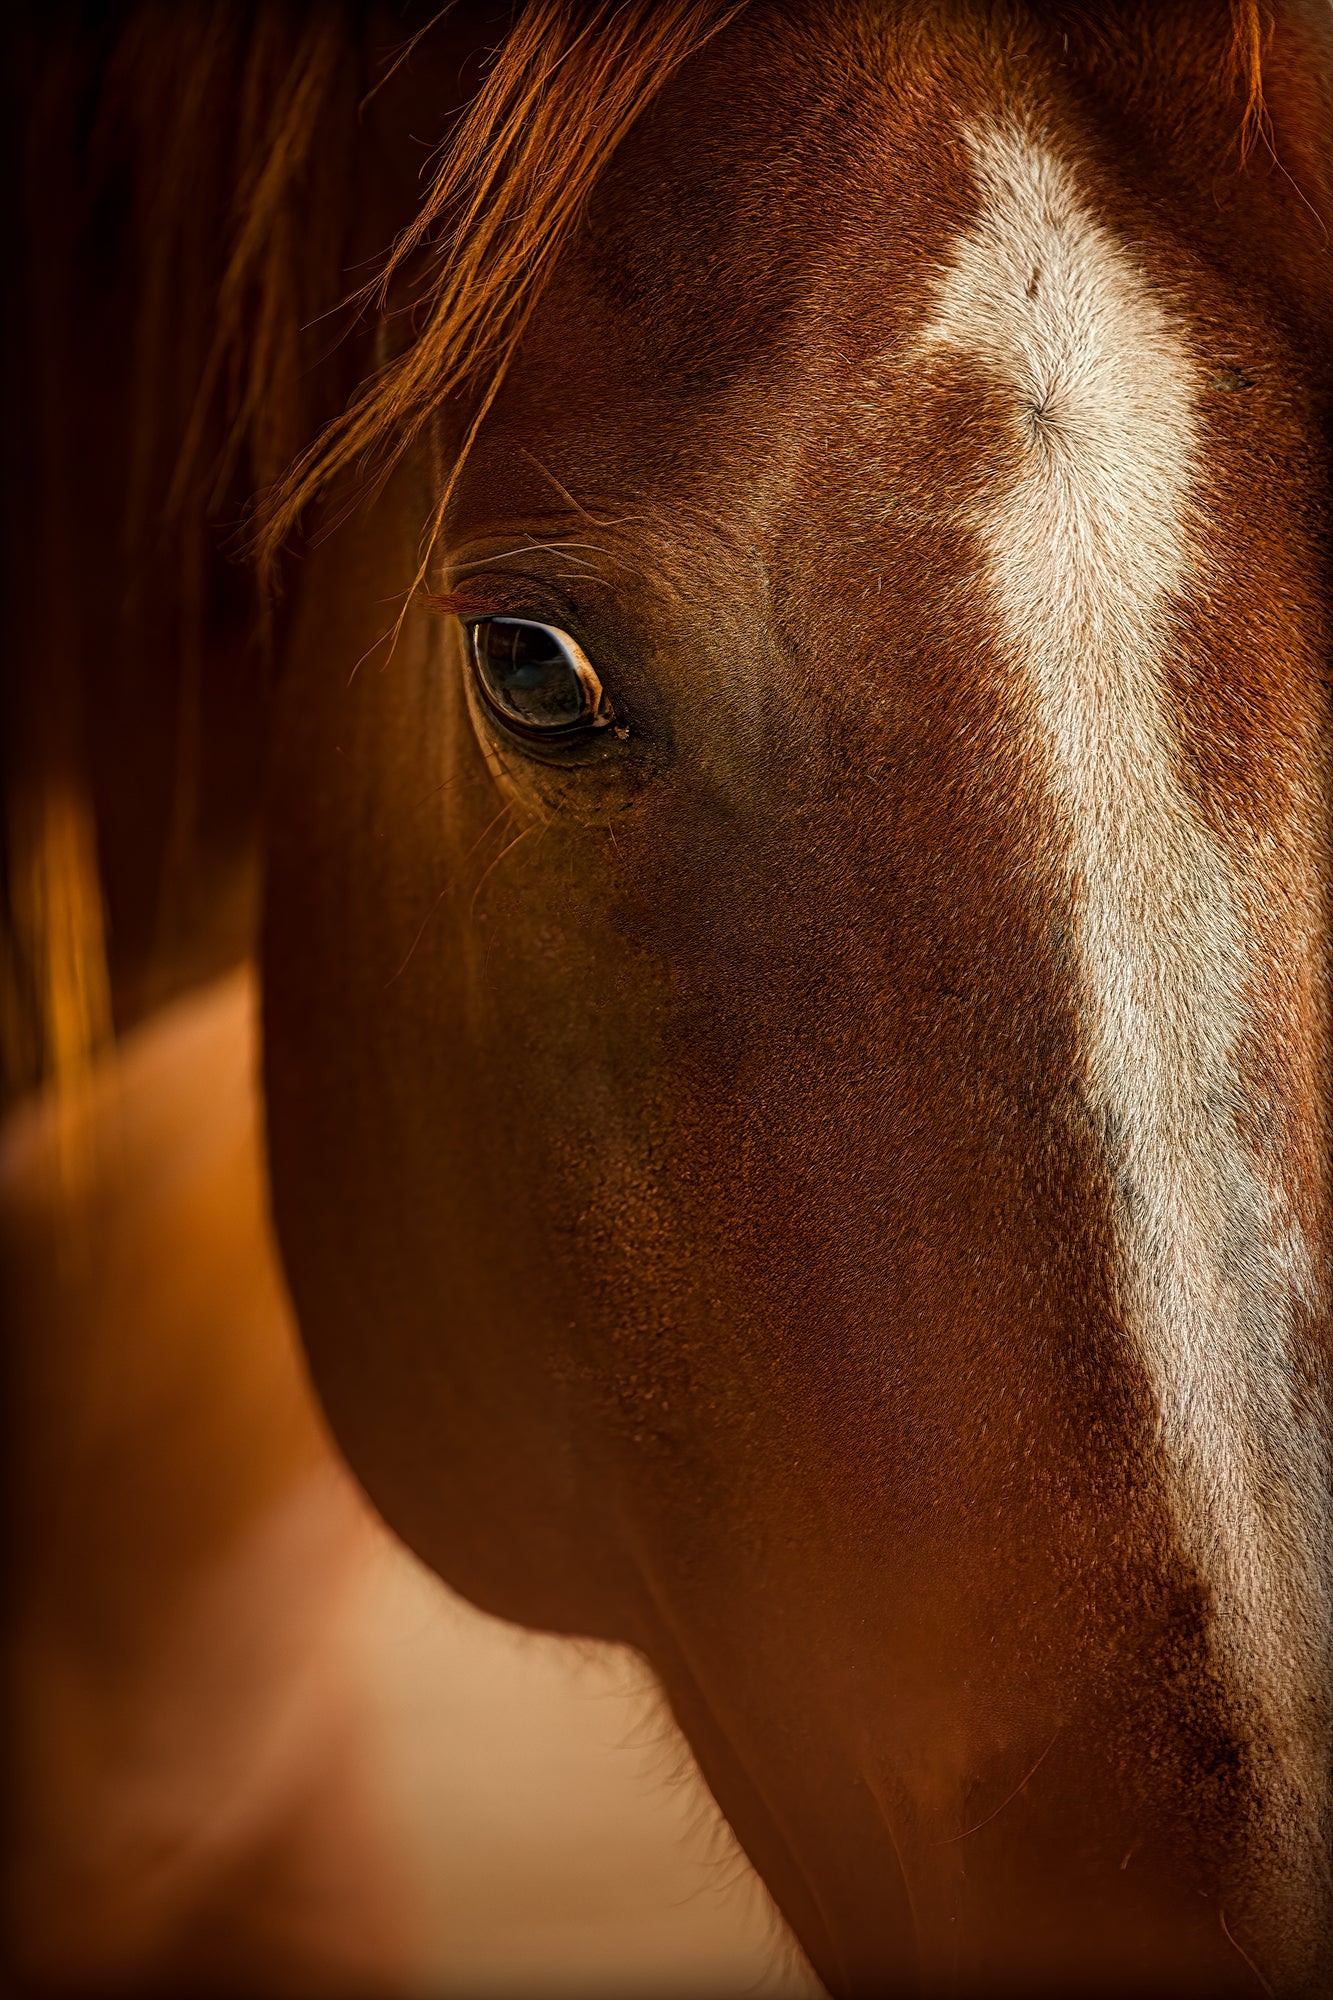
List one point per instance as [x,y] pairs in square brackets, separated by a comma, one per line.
[185,174]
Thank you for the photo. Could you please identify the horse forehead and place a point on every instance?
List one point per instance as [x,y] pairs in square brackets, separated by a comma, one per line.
[768,307]
[774,194]
[801,179]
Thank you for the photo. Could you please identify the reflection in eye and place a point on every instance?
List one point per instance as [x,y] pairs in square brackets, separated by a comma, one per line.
[536,678]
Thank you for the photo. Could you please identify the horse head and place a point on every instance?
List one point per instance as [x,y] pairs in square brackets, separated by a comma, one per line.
[795,984]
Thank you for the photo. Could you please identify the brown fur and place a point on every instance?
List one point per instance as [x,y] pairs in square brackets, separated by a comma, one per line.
[682,1158]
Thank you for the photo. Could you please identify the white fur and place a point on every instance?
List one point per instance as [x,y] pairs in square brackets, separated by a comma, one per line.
[1086,547]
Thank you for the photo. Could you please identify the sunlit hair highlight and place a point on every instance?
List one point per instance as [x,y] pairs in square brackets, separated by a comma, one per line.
[562,91]
[1251,33]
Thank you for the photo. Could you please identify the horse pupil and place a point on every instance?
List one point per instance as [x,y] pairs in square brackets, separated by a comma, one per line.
[527,674]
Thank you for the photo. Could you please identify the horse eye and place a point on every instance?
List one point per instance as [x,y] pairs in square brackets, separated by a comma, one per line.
[536,678]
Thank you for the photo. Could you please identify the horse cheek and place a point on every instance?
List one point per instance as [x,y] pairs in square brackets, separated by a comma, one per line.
[391,1076]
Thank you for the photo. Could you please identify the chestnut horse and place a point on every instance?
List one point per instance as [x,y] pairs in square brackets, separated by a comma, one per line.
[796,871]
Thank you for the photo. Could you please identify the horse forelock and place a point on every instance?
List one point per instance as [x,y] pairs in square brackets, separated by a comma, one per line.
[1198,932]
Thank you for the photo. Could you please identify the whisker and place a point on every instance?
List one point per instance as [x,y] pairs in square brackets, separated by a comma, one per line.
[969,1830]
[421,932]
[493,865]
[1238,1947]
[607,521]
[503,813]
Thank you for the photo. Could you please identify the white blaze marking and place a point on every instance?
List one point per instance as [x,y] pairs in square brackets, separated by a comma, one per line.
[1087,546]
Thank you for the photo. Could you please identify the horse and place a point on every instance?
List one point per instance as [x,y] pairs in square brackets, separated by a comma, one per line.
[789,750]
